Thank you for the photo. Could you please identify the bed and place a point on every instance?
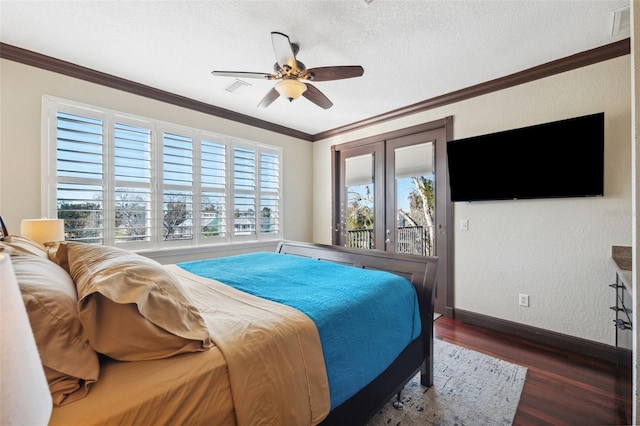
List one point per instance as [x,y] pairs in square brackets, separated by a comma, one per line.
[245,359]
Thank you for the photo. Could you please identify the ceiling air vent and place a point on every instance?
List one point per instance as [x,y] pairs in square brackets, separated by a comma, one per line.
[237,86]
[621,26]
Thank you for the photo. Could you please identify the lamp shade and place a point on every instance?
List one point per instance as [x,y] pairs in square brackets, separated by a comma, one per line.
[24,393]
[42,230]
[291,88]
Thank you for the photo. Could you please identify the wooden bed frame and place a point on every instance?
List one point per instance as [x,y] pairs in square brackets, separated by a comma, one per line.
[418,356]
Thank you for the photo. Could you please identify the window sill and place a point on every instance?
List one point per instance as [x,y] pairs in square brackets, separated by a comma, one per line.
[185,254]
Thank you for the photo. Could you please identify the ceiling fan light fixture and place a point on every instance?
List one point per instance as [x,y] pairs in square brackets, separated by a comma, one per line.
[291,88]
[291,75]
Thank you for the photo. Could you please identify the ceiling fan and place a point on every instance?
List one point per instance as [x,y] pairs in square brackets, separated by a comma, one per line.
[293,76]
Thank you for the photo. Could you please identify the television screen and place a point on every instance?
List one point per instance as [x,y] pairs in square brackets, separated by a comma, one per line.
[559,159]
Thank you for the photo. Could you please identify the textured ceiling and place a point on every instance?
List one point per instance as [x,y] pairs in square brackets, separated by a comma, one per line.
[410,50]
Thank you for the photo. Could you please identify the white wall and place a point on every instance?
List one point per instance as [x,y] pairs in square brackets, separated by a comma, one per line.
[556,251]
[22,88]
[635,81]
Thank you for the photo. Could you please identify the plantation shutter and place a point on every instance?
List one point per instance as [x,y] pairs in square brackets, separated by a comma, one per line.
[177,171]
[213,190]
[80,182]
[269,192]
[132,194]
[244,191]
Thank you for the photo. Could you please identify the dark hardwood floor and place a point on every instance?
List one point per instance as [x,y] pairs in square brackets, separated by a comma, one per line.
[561,388]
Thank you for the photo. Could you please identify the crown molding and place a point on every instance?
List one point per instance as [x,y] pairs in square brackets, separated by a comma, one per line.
[69,69]
[589,57]
[582,59]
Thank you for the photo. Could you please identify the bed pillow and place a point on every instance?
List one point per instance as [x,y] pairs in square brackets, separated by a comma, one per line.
[57,252]
[70,363]
[24,245]
[131,307]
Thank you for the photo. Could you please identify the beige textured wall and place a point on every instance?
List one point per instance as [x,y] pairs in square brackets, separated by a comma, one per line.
[21,91]
[556,251]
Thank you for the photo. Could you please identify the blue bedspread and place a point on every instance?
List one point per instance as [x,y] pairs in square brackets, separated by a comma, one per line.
[365,318]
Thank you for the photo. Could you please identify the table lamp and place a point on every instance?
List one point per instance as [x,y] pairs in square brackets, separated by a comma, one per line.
[24,393]
[42,230]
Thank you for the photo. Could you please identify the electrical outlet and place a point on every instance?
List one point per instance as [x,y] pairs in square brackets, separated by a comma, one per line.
[523,299]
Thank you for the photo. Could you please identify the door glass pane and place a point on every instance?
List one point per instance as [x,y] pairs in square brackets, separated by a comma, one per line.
[360,201]
[415,199]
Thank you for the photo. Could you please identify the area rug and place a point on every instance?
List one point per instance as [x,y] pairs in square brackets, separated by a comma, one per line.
[469,388]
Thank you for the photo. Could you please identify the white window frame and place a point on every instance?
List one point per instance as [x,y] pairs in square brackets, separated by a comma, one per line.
[52,105]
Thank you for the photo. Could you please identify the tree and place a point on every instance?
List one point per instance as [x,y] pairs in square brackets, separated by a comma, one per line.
[82,221]
[208,206]
[174,215]
[360,209]
[130,216]
[422,204]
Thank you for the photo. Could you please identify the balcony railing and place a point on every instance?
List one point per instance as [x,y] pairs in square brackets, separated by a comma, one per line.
[409,239]
[360,238]
[413,240]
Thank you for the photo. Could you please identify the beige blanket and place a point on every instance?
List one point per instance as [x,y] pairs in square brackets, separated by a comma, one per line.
[276,369]
[187,390]
[266,369]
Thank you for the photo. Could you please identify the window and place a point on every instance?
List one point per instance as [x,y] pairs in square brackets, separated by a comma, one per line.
[256,183]
[124,180]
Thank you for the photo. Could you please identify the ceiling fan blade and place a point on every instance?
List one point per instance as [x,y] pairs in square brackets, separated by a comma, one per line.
[268,99]
[243,74]
[334,73]
[317,97]
[283,50]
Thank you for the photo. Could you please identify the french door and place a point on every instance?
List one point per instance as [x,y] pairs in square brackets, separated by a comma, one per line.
[391,193]
[361,197]
[410,194]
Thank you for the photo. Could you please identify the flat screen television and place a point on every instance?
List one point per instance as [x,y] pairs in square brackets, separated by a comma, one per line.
[559,159]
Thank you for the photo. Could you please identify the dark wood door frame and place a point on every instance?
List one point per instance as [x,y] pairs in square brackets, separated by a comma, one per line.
[444,207]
